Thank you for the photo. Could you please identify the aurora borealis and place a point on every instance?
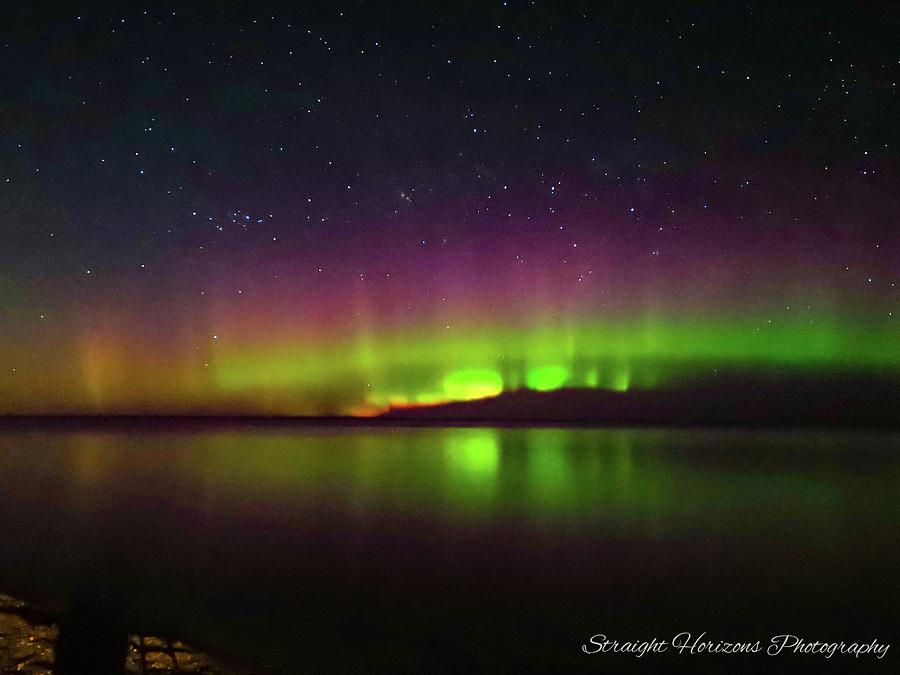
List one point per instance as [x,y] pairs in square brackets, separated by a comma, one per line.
[331,209]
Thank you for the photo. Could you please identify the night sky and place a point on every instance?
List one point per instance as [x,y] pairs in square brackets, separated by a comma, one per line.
[266,208]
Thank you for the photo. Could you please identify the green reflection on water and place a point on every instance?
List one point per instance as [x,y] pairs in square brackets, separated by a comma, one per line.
[474,452]
[550,474]
[648,482]
[473,460]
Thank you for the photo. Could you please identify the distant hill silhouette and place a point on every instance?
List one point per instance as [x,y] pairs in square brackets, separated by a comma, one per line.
[798,401]
[737,399]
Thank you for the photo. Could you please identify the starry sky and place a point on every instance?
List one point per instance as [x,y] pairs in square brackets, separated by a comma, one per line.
[332,208]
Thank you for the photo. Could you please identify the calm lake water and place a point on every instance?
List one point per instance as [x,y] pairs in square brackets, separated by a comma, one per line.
[457,549]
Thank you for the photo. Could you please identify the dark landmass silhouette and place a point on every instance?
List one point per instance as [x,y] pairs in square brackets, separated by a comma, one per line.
[827,401]
[830,401]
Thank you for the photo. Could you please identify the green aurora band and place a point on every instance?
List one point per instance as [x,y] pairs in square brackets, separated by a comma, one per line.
[428,367]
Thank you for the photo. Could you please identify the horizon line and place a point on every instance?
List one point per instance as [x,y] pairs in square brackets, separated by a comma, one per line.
[384,420]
